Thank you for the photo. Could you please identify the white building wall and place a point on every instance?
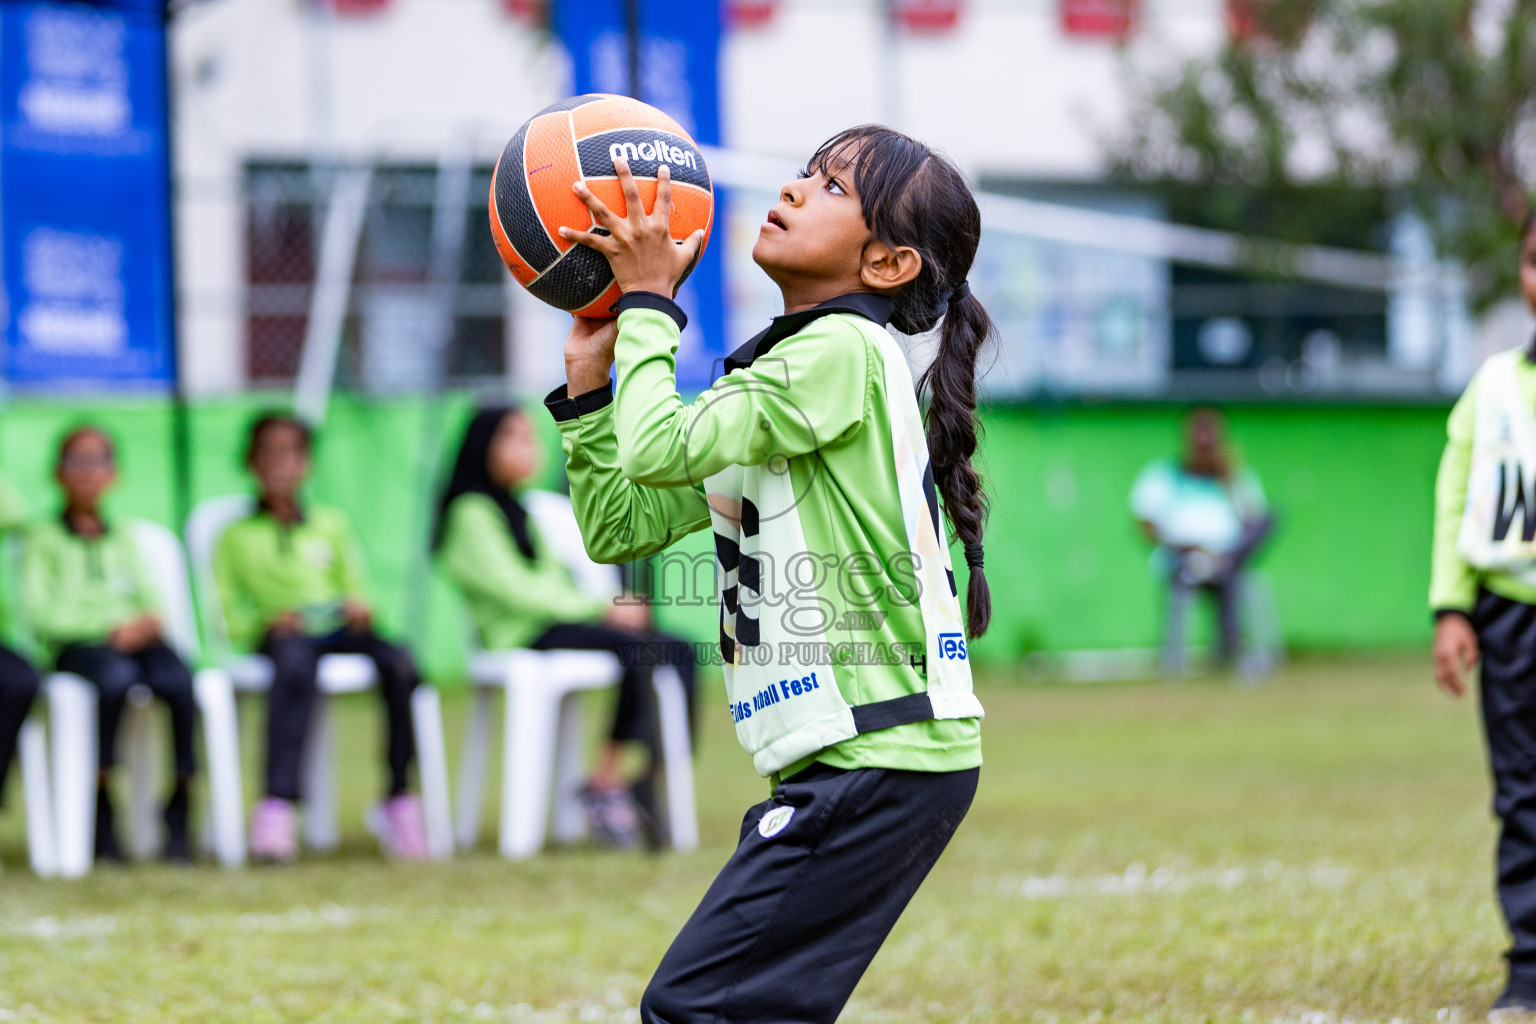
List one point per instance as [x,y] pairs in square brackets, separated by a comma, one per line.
[258,79]
[1005,93]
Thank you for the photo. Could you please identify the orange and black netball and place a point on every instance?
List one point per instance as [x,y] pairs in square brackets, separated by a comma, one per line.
[578,140]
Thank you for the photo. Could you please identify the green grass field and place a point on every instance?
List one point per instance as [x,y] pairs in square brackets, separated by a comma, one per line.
[1316,850]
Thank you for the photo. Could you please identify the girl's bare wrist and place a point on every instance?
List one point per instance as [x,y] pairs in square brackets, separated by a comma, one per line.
[666,288]
[585,374]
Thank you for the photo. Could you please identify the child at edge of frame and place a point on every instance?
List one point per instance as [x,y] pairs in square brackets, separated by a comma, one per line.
[19,682]
[811,446]
[1483,594]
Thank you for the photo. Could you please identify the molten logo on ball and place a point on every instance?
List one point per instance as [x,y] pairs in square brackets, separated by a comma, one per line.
[658,151]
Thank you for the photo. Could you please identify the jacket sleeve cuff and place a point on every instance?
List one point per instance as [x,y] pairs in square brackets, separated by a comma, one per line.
[651,300]
[1441,613]
[564,408]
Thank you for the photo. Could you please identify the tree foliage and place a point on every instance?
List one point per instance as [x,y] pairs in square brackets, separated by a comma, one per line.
[1316,115]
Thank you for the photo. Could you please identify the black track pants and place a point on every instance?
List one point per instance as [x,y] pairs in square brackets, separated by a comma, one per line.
[788,928]
[295,677]
[114,673]
[18,688]
[1506,632]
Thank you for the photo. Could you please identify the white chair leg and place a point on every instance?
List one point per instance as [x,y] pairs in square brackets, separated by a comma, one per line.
[221,747]
[72,720]
[477,745]
[676,759]
[527,765]
[570,820]
[138,743]
[432,769]
[42,838]
[320,780]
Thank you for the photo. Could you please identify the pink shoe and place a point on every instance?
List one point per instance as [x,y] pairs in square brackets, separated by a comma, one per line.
[272,832]
[401,826]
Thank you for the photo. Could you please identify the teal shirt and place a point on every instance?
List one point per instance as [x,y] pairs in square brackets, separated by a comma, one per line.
[1187,510]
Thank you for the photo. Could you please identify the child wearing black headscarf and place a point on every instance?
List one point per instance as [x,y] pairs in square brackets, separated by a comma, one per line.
[522,595]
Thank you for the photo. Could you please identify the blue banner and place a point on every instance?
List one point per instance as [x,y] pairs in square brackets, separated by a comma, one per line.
[85,257]
[680,73]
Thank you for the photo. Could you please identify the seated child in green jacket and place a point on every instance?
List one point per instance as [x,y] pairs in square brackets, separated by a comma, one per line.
[95,611]
[18,679]
[290,580]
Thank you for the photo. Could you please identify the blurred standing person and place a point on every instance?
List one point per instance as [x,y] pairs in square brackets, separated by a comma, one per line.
[1208,517]
[94,609]
[18,679]
[522,595]
[1483,593]
[290,579]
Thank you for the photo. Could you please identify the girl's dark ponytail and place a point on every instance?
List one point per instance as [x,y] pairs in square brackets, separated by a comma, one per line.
[912,197]
[950,381]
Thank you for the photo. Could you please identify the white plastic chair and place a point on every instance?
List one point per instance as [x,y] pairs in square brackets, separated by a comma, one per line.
[543,735]
[32,762]
[338,674]
[72,708]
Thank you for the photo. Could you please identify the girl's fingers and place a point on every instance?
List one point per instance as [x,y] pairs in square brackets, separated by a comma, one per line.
[694,246]
[634,207]
[663,210]
[600,212]
[591,239]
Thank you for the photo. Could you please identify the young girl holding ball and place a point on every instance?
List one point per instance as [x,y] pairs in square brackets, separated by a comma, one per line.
[841,633]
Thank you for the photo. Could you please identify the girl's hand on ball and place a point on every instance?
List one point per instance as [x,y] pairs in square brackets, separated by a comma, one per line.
[589,354]
[639,246]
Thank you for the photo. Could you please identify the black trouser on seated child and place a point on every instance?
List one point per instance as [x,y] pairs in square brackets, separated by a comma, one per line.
[18,688]
[295,677]
[1506,633]
[114,673]
[823,870]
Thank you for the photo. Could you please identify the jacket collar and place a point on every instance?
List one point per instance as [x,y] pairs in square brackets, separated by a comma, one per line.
[263,509]
[870,306]
[69,527]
